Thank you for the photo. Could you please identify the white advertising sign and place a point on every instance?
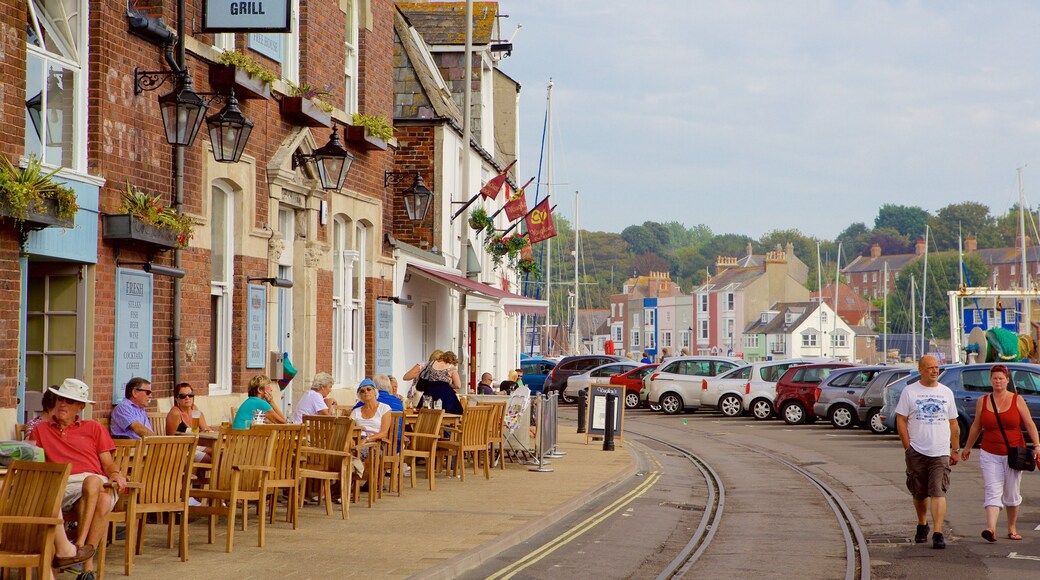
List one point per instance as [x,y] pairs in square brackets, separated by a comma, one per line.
[255,16]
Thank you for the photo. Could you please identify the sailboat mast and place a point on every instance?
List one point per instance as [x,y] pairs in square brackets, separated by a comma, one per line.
[819,289]
[548,193]
[913,319]
[924,291]
[837,274]
[577,245]
[884,313]
[1022,236]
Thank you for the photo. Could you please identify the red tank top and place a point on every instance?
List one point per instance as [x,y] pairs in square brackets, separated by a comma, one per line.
[992,440]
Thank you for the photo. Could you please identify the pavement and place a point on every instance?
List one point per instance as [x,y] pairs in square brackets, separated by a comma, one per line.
[424,534]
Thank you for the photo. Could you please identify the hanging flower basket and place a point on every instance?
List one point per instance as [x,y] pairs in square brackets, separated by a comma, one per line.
[479,220]
[508,248]
[528,266]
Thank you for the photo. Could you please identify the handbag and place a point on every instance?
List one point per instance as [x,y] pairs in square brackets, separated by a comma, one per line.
[1019,458]
[423,378]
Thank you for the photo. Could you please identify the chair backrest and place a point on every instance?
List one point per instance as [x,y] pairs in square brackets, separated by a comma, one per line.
[162,466]
[428,422]
[243,447]
[393,436]
[19,432]
[475,425]
[342,439]
[158,421]
[33,401]
[123,456]
[35,490]
[496,424]
[287,442]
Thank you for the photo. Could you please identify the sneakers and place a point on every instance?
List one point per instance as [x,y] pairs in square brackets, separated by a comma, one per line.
[938,541]
[192,502]
[922,533]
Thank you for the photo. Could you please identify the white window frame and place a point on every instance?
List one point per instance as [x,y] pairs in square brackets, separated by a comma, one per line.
[357,303]
[344,260]
[618,334]
[839,340]
[702,303]
[224,41]
[809,340]
[223,290]
[635,338]
[750,341]
[685,338]
[702,331]
[350,53]
[731,302]
[666,338]
[651,340]
[291,46]
[74,59]
[649,315]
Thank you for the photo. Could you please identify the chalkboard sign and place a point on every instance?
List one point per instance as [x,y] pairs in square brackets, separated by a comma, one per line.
[596,421]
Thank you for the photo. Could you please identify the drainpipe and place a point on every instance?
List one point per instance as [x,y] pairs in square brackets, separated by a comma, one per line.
[178,202]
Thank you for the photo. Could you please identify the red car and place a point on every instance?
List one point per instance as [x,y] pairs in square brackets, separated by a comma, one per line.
[633,383]
[796,391]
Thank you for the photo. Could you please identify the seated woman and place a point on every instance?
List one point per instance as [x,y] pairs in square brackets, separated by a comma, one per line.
[261,398]
[372,416]
[179,419]
[48,401]
[509,385]
[442,382]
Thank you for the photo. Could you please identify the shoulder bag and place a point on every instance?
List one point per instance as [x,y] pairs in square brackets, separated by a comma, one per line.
[1020,458]
[424,378]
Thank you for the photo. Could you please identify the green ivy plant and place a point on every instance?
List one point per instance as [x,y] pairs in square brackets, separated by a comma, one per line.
[150,209]
[317,96]
[27,189]
[378,127]
[239,59]
[479,220]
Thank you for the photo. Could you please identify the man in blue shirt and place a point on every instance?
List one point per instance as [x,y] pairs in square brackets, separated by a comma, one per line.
[130,417]
[382,385]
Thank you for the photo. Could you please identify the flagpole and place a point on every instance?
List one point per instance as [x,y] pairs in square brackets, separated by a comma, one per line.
[492,216]
[479,193]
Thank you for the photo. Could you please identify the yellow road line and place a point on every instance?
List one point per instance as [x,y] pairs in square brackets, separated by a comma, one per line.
[566,537]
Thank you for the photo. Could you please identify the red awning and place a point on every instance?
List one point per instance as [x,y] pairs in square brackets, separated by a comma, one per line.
[511,303]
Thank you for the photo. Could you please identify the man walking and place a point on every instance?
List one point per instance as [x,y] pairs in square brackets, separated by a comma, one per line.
[926,419]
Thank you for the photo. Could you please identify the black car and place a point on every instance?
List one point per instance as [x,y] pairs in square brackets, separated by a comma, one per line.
[573,365]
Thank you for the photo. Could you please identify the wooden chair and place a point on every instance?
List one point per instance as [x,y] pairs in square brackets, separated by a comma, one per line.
[287,443]
[470,437]
[123,457]
[423,442]
[327,457]
[30,513]
[392,457]
[241,467]
[161,479]
[496,432]
[19,432]
[158,421]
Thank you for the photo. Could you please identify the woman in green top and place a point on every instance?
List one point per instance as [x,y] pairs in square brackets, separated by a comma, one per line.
[261,397]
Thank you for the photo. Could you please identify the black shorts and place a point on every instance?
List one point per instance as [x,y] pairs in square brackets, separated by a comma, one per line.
[926,476]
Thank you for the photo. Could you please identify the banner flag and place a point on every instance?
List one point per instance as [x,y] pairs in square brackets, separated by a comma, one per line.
[494,185]
[539,223]
[516,207]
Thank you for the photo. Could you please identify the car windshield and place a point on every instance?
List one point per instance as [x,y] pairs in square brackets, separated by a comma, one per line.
[742,373]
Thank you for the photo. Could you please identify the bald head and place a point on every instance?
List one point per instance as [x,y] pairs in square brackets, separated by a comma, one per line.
[928,366]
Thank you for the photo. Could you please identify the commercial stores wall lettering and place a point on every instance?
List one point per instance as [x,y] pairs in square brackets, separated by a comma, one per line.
[133,342]
[259,15]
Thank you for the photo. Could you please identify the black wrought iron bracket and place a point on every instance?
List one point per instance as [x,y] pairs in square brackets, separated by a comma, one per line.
[150,80]
[396,177]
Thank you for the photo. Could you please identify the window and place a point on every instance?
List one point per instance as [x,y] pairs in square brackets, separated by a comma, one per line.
[55,89]
[612,310]
[730,301]
[864,276]
[839,340]
[651,340]
[873,277]
[617,334]
[751,341]
[666,338]
[823,317]
[702,329]
[809,340]
[702,303]
[221,286]
[287,229]
[350,67]
[344,261]
[1012,269]
[650,315]
[685,339]
[291,45]
[729,331]
[635,338]
[357,314]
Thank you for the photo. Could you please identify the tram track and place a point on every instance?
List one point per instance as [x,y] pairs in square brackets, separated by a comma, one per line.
[857,556]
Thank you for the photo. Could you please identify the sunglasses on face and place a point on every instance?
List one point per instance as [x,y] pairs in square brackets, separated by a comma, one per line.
[365,389]
[185,396]
[66,401]
[145,391]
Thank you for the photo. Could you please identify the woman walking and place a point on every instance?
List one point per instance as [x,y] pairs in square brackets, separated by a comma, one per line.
[1001,483]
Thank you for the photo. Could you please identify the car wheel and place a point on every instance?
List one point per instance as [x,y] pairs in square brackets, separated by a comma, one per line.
[843,417]
[565,398]
[730,406]
[671,404]
[631,400]
[761,409]
[877,426]
[793,413]
[653,406]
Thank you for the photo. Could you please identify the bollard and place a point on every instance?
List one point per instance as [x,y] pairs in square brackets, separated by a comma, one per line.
[608,428]
[582,402]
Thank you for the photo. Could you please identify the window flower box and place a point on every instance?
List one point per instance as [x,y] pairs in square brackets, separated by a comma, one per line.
[223,77]
[31,199]
[304,112]
[124,228]
[45,217]
[361,138]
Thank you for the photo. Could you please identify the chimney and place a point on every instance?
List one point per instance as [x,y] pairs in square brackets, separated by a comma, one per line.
[749,249]
[875,250]
[919,247]
[789,248]
[970,244]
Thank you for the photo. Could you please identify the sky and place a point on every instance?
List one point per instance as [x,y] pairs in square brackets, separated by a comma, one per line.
[753,116]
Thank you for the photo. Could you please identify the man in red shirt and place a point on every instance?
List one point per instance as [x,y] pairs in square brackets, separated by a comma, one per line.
[87,446]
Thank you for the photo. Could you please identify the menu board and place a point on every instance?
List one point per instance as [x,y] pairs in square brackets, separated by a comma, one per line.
[384,346]
[596,419]
[133,329]
[256,329]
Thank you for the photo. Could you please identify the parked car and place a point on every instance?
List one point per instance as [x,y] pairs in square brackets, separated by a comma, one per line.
[573,365]
[600,374]
[868,408]
[536,370]
[968,383]
[632,380]
[676,384]
[644,395]
[759,394]
[726,392]
[838,395]
[796,391]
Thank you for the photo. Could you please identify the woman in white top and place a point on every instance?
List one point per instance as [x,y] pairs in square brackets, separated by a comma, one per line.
[373,417]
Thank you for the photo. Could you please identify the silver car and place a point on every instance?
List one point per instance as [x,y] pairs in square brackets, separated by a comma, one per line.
[868,409]
[838,395]
[676,384]
[600,374]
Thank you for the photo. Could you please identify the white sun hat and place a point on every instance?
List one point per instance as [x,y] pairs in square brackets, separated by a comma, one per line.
[74,390]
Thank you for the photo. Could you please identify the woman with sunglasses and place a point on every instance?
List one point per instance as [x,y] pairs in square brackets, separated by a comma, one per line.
[179,419]
[372,416]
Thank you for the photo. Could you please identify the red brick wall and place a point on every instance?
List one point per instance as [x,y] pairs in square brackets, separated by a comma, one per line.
[323,362]
[415,152]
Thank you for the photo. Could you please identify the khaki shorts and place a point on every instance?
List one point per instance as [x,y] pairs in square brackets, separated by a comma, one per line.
[74,490]
[926,476]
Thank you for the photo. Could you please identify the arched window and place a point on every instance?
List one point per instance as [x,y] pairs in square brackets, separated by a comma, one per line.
[222,276]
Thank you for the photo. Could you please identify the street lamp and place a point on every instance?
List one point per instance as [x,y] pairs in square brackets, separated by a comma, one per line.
[183,111]
[417,198]
[229,131]
[333,161]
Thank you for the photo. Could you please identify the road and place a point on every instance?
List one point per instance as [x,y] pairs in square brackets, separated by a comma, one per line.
[774,522]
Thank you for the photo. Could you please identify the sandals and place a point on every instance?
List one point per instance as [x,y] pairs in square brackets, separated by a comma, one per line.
[989,536]
[1014,536]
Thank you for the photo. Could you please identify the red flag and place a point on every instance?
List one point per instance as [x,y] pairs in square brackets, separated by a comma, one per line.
[494,185]
[516,207]
[539,223]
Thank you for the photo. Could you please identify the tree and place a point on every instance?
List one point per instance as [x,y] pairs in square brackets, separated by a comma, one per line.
[961,219]
[648,238]
[907,220]
[943,276]
[804,246]
[732,245]
[890,241]
[854,240]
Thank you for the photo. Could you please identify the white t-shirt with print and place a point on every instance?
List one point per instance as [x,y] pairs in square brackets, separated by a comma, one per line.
[928,411]
[311,403]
